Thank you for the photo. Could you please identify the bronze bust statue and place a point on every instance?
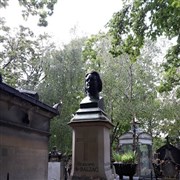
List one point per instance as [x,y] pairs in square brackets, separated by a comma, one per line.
[93,85]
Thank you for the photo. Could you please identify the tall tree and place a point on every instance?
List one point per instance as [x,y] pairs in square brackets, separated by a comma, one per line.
[21,55]
[129,88]
[64,78]
[139,20]
[40,8]
[170,113]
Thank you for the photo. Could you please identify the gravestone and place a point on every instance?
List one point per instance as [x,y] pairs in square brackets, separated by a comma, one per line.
[91,135]
[55,168]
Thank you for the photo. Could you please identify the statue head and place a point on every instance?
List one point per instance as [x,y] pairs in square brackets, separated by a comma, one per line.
[93,84]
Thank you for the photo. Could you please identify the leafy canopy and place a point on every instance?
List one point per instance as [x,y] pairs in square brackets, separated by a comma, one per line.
[43,8]
[129,88]
[64,81]
[22,56]
[141,19]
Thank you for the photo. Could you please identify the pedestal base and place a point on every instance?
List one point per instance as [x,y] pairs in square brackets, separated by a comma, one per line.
[91,151]
[91,142]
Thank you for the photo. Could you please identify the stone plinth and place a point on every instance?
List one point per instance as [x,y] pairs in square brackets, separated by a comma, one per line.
[91,143]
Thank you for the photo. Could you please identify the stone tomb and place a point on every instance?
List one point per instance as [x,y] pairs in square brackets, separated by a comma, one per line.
[24,135]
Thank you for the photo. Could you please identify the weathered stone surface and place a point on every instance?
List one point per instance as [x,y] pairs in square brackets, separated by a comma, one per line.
[54,170]
[24,135]
[23,156]
[91,151]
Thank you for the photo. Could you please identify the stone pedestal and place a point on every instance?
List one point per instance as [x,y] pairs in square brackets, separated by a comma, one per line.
[91,143]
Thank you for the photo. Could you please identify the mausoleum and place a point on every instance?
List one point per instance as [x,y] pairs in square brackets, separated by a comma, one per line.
[24,134]
[136,139]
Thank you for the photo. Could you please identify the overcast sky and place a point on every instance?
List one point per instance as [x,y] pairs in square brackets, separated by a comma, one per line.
[89,16]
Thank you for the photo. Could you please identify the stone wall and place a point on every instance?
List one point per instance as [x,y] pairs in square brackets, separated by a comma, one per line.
[24,156]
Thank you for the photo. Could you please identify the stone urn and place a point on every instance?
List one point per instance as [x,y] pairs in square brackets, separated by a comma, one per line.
[125,169]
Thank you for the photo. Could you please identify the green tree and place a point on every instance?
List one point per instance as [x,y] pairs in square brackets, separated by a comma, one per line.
[40,8]
[129,88]
[169,125]
[140,20]
[21,55]
[64,78]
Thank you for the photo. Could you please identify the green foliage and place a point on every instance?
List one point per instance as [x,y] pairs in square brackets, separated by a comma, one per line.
[92,46]
[170,116]
[131,88]
[64,78]
[157,142]
[128,157]
[178,93]
[117,157]
[139,20]
[42,8]
[21,56]
[171,67]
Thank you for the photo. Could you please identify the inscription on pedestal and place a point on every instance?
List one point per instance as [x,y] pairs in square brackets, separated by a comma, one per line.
[86,167]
